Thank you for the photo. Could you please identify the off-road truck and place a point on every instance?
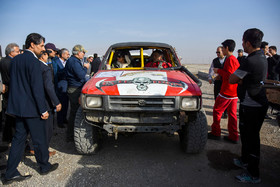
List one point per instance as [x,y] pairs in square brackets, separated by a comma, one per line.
[139,98]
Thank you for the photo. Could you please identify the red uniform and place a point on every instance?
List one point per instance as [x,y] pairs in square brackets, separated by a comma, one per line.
[227,99]
[156,64]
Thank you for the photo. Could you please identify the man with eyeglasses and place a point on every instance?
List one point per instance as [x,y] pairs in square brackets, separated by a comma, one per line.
[214,78]
[76,78]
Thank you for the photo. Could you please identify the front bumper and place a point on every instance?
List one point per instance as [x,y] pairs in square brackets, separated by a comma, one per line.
[110,128]
[131,117]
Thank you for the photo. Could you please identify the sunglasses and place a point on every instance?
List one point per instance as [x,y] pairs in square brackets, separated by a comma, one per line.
[218,52]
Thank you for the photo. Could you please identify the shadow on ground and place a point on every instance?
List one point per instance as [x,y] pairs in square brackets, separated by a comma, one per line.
[156,160]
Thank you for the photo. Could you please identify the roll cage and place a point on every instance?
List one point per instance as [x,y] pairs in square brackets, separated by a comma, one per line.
[139,55]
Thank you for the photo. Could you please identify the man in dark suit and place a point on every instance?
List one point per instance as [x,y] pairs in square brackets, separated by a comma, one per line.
[241,57]
[27,103]
[95,63]
[273,60]
[11,51]
[61,85]
[51,99]
[2,90]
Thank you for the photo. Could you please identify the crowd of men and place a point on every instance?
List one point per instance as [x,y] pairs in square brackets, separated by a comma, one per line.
[35,86]
[40,82]
[242,78]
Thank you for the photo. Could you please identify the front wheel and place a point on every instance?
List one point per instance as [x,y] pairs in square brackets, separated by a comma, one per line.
[193,135]
[86,136]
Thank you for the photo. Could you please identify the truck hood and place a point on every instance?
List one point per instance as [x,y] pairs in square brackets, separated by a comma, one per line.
[156,83]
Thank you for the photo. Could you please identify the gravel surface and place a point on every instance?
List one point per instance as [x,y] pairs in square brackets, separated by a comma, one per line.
[155,159]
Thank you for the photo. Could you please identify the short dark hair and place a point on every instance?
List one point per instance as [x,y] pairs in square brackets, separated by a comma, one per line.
[158,52]
[263,44]
[240,50]
[120,54]
[273,47]
[44,52]
[230,44]
[33,38]
[254,36]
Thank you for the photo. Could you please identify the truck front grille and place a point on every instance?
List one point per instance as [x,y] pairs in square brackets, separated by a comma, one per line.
[123,103]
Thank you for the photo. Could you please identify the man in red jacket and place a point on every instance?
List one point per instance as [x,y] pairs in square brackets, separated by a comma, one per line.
[227,98]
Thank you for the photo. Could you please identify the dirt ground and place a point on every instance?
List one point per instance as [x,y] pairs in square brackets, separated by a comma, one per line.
[155,159]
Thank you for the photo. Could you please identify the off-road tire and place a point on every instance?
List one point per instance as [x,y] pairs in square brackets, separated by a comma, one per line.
[86,136]
[193,135]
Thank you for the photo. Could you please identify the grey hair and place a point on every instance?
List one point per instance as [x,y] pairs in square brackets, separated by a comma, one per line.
[63,50]
[75,52]
[10,48]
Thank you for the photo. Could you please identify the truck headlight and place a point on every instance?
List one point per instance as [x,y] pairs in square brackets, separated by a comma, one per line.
[93,102]
[189,103]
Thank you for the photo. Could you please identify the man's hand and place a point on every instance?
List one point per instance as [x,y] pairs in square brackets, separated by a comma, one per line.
[86,65]
[45,115]
[269,54]
[210,81]
[218,77]
[58,107]
[4,88]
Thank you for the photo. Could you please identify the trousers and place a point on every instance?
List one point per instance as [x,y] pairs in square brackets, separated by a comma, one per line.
[37,130]
[221,104]
[250,123]
[63,98]
[73,95]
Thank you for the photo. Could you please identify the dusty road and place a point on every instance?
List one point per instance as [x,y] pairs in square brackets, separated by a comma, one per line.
[155,159]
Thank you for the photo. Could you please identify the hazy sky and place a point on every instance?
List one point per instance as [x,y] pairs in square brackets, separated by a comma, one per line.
[195,28]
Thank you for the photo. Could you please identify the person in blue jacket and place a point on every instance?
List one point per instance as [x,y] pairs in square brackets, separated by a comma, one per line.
[76,78]
[61,85]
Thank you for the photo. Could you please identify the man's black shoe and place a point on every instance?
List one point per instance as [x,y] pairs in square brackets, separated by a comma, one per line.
[17,178]
[230,140]
[267,117]
[3,148]
[52,168]
[213,137]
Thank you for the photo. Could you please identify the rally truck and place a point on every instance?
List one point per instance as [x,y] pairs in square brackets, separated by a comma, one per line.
[139,98]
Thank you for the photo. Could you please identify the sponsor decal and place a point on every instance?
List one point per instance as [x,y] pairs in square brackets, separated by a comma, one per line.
[141,83]
[141,73]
